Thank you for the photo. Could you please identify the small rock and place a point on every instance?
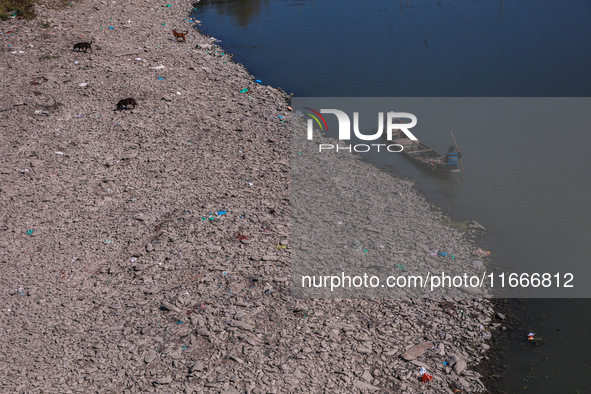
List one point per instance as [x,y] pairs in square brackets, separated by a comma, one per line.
[170,307]
[460,366]
[364,350]
[164,380]
[203,331]
[416,351]
[367,376]
[240,324]
[365,386]
[151,356]
[197,367]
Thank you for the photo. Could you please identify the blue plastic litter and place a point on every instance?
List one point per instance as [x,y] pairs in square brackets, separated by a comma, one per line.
[258,81]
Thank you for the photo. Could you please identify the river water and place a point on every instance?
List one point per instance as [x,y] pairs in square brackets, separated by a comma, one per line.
[529,189]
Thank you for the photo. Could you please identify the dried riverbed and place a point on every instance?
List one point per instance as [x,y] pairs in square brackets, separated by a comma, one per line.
[141,250]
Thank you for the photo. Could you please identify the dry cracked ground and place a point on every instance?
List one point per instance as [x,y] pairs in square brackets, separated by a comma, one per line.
[148,250]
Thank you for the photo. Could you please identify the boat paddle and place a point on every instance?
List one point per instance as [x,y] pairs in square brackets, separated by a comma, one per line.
[458,150]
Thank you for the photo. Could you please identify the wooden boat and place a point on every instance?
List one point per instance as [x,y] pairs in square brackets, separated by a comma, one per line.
[421,154]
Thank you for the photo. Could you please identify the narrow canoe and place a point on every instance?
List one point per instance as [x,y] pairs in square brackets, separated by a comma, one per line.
[421,154]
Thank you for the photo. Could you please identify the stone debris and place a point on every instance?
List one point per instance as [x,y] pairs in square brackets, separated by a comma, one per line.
[460,366]
[416,351]
[128,285]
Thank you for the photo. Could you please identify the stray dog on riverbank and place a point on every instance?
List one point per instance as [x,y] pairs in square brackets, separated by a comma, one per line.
[123,104]
[178,35]
[83,46]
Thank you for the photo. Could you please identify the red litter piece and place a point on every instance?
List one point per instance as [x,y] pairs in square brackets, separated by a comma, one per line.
[426,377]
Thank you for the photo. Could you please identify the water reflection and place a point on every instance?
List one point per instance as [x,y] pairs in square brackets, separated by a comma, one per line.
[242,12]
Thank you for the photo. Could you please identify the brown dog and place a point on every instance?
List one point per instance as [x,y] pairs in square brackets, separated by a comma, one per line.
[178,35]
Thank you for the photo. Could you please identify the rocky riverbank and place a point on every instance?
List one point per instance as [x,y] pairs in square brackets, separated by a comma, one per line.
[143,250]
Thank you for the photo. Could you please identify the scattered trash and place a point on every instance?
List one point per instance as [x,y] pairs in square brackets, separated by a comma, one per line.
[108,241]
[160,67]
[111,27]
[133,259]
[426,377]
[161,78]
[83,85]
[220,213]
[258,81]
[39,112]
[481,253]
[245,90]
[30,232]
[281,247]
[485,333]
[179,322]
[24,170]
[445,363]
[137,59]
[530,336]
[76,62]
[59,153]
[400,266]
[20,291]
[442,254]
[535,339]
[422,370]
[168,5]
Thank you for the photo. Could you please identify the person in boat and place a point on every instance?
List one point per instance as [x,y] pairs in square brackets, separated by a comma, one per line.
[451,159]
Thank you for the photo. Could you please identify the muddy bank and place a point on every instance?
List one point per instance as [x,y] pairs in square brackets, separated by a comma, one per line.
[140,249]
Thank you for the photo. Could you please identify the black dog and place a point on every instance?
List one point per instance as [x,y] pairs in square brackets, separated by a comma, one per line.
[122,104]
[83,46]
